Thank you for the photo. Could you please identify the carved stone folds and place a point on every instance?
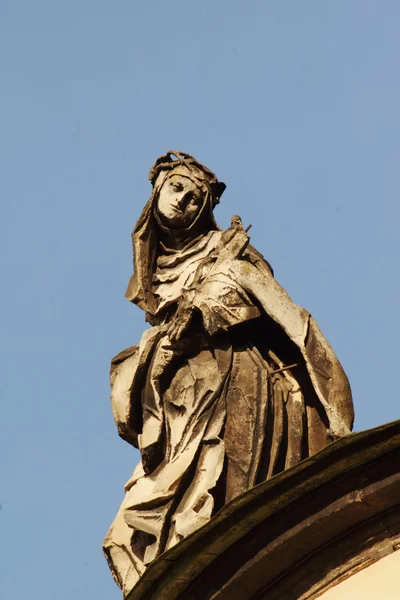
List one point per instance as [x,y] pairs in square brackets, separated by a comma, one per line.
[233,383]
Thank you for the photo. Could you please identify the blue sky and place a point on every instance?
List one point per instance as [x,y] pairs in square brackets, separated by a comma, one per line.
[295,105]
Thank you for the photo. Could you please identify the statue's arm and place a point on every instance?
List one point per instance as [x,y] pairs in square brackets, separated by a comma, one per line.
[216,293]
[223,303]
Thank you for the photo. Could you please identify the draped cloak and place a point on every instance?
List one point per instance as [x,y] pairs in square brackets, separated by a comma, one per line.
[254,389]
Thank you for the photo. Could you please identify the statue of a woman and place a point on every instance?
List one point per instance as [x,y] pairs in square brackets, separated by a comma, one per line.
[233,382]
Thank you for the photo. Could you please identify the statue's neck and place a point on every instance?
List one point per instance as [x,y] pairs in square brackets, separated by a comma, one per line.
[178,239]
[173,240]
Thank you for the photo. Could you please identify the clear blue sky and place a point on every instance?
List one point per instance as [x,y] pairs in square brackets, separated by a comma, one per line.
[295,105]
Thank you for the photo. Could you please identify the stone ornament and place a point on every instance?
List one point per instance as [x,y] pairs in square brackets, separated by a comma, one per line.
[232,384]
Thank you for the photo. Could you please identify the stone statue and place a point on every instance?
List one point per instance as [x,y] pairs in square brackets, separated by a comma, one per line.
[232,384]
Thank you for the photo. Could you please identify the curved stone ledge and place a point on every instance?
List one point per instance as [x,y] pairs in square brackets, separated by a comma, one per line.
[296,535]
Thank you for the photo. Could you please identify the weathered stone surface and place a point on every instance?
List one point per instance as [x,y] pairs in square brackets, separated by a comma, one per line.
[232,384]
[295,536]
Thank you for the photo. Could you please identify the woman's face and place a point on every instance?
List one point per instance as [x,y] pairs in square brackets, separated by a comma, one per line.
[179,201]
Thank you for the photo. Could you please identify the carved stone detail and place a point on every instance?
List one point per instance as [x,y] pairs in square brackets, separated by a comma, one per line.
[232,384]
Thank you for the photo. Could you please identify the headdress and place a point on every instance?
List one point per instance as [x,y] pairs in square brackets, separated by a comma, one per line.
[185,164]
[145,237]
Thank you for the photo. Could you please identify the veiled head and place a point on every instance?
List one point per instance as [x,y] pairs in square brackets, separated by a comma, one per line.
[183,190]
[181,207]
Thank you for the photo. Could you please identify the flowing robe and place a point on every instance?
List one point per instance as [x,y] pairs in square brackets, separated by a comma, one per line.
[253,388]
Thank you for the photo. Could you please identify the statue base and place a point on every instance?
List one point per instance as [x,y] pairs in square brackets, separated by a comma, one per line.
[297,536]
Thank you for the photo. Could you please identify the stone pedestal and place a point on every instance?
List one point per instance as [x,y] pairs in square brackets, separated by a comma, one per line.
[325,528]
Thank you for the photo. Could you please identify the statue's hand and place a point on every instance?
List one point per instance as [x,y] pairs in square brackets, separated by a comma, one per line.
[180,322]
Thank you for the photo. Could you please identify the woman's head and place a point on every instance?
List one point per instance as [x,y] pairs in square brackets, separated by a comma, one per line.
[181,207]
[183,190]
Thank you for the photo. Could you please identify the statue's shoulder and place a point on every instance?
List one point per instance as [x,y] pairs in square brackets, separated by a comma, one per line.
[257,259]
